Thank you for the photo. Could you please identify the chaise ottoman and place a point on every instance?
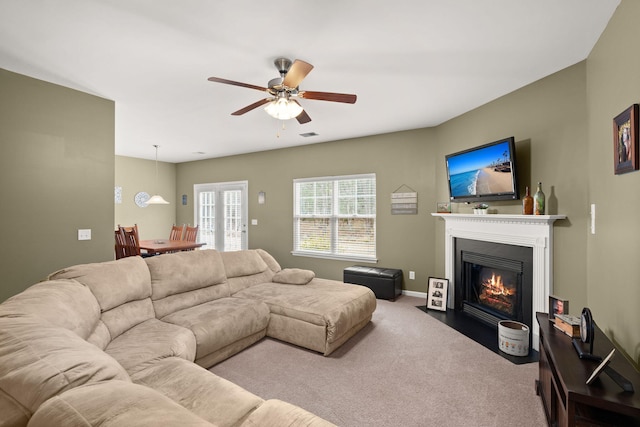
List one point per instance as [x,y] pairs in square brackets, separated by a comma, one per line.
[320,315]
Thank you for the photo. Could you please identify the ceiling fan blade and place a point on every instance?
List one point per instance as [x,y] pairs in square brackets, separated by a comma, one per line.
[297,72]
[231,82]
[303,117]
[328,96]
[251,107]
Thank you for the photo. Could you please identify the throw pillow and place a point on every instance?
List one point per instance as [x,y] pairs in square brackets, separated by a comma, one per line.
[294,276]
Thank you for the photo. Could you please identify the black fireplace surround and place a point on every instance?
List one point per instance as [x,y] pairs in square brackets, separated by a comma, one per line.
[494,281]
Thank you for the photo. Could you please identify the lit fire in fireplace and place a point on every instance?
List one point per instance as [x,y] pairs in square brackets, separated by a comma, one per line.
[495,294]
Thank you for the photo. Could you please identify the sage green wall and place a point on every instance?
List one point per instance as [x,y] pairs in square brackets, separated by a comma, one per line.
[135,175]
[58,171]
[403,241]
[613,269]
[548,120]
[56,174]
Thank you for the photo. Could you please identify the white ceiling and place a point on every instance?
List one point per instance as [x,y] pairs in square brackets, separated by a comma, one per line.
[412,63]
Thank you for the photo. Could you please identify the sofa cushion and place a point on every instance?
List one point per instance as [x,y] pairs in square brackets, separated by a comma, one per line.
[222,322]
[236,284]
[243,263]
[186,279]
[64,303]
[185,271]
[111,404]
[113,282]
[275,412]
[150,341]
[269,260]
[293,276]
[123,290]
[126,316]
[101,337]
[202,392]
[245,269]
[13,414]
[39,361]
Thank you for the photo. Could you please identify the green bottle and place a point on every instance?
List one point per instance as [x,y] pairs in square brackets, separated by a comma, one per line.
[538,201]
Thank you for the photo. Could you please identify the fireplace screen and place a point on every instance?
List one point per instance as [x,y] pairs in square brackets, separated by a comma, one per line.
[493,281]
[494,289]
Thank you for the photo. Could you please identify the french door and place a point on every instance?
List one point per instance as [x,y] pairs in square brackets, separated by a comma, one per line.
[221,213]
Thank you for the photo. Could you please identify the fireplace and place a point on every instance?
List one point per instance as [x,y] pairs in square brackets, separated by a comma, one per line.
[496,281]
[530,231]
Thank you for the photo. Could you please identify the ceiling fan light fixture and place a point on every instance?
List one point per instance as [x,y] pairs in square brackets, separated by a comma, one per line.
[283,109]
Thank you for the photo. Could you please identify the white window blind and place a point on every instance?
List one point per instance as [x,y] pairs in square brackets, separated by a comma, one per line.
[335,217]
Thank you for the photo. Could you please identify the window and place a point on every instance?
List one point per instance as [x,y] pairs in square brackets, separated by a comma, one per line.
[335,217]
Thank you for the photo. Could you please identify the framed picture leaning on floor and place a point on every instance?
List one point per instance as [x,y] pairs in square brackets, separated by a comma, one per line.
[437,293]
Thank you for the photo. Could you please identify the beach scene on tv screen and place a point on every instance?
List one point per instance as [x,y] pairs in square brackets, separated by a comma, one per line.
[483,171]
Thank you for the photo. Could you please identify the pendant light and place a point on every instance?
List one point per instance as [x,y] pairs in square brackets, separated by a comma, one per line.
[157,199]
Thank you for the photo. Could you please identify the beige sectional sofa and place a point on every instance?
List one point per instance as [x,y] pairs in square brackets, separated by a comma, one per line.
[114,343]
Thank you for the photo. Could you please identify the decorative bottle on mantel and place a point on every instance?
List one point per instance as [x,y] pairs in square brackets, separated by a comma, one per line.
[527,203]
[538,200]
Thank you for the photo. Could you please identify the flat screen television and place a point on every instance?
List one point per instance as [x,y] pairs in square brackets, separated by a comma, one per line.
[483,174]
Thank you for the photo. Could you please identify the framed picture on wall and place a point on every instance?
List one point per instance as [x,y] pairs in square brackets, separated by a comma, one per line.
[443,207]
[625,141]
[437,293]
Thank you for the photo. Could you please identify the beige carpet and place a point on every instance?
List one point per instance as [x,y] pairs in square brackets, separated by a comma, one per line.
[404,369]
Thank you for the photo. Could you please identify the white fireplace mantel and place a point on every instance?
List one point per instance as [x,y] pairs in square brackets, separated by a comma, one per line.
[534,231]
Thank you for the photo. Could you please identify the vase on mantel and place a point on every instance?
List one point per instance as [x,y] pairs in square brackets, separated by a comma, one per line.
[527,203]
[538,200]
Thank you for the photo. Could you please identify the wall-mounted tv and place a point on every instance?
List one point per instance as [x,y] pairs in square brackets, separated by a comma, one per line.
[485,173]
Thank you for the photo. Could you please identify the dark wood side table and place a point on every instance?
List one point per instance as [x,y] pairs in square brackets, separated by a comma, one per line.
[567,399]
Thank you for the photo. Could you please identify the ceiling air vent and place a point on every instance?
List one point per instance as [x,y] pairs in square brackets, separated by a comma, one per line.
[308,134]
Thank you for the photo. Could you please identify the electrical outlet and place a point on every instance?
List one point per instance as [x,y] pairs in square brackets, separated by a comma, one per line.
[254,222]
[84,234]
[412,275]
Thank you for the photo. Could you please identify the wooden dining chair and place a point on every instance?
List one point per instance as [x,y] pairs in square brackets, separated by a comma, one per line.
[131,239]
[190,233]
[120,244]
[176,232]
[133,228]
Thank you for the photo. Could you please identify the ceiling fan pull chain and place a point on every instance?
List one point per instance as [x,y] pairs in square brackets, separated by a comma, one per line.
[283,128]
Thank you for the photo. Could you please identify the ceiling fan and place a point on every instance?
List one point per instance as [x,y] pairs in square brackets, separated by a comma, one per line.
[284,89]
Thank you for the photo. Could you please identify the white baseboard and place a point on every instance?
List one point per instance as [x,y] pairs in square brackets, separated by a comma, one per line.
[415,294]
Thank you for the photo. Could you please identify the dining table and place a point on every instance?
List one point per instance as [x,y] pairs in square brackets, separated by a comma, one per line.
[160,246]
